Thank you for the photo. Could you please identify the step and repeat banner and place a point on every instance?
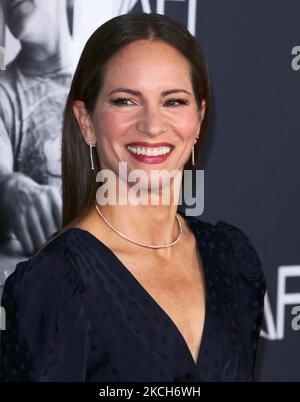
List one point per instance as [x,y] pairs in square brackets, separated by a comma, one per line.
[251,154]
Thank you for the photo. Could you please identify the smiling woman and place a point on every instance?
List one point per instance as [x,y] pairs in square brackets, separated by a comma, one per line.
[145,293]
[169,93]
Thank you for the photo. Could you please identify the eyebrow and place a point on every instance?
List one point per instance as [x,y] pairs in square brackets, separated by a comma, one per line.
[138,93]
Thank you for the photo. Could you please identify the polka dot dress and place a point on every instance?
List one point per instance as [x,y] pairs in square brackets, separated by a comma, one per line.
[74,312]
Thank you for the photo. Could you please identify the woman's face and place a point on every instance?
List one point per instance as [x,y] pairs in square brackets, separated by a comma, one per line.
[147,97]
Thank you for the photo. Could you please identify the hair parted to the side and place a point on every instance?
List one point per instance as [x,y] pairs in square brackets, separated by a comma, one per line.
[78,182]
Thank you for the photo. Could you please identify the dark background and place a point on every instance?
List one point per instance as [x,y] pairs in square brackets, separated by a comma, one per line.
[251,154]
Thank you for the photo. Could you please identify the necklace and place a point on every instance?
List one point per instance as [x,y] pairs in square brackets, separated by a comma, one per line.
[139,243]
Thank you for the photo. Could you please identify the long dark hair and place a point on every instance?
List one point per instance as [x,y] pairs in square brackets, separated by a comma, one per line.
[78,183]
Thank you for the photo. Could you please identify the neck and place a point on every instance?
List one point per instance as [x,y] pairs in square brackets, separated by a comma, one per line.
[155,225]
[35,60]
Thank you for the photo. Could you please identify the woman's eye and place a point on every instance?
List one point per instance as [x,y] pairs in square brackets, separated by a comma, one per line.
[169,102]
[121,101]
[177,102]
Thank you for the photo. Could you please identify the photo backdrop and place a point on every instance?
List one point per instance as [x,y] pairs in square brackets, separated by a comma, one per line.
[251,154]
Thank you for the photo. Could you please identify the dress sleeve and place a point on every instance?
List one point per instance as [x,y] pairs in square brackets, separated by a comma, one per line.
[47,330]
[251,288]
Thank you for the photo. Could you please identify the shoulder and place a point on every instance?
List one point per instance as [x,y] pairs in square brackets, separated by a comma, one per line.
[246,259]
[47,316]
[232,241]
[47,274]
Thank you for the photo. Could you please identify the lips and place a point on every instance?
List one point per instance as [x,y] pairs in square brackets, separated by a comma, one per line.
[149,145]
[150,153]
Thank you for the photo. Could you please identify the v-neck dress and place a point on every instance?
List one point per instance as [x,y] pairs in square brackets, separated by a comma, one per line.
[74,312]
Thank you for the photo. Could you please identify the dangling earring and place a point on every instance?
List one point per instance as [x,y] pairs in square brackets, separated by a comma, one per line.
[193,156]
[91,155]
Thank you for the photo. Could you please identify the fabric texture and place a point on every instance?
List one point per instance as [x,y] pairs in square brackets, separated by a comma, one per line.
[75,313]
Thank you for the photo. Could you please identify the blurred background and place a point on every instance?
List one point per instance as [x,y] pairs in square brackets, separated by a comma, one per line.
[251,154]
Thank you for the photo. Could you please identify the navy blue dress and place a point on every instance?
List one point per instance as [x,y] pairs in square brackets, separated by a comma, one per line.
[75,313]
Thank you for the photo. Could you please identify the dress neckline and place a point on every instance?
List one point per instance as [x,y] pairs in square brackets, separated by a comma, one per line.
[204,263]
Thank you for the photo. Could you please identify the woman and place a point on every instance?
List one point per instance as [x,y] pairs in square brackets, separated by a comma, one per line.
[134,292]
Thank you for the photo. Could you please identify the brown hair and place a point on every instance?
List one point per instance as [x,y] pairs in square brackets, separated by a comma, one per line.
[78,183]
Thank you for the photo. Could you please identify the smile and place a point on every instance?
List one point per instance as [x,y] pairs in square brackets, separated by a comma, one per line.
[149,151]
[156,153]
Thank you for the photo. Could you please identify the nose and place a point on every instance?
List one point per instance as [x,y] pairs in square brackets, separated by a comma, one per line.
[151,121]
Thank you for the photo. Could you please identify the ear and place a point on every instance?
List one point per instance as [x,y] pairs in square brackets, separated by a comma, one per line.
[202,109]
[202,113]
[84,121]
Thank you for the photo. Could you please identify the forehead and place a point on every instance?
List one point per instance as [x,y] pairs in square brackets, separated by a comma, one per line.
[145,60]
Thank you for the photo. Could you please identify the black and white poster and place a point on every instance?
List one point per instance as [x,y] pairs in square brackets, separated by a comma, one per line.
[251,155]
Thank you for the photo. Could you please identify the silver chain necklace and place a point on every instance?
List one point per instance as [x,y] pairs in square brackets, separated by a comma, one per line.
[139,243]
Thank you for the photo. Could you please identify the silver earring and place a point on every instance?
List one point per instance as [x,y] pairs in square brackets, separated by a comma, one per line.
[193,156]
[91,155]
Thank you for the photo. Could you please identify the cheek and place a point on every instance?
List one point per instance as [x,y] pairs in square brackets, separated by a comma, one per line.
[114,124]
[186,124]
[111,124]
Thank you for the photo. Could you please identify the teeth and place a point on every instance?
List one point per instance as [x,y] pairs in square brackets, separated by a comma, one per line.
[149,151]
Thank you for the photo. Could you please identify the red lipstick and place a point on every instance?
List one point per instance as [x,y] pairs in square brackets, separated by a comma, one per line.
[151,159]
[149,145]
